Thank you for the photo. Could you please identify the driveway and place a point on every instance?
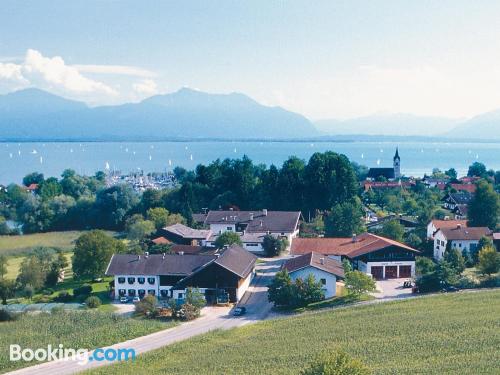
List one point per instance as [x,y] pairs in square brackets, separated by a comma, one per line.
[255,300]
[392,288]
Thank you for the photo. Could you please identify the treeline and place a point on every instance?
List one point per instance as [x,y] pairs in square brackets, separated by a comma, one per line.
[75,202]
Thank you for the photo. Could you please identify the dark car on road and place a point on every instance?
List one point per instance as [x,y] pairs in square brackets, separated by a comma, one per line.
[239,311]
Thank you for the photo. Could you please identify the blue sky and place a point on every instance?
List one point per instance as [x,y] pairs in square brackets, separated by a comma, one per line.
[325,59]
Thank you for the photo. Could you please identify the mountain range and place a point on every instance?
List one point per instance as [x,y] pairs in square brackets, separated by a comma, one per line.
[33,114]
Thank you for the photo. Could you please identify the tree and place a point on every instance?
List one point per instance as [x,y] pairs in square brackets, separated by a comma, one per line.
[159,216]
[489,260]
[3,266]
[358,283]
[477,170]
[50,188]
[413,240]
[140,230]
[146,306]
[484,207]
[93,302]
[345,219]
[306,291]
[7,290]
[274,246]
[195,298]
[451,173]
[280,289]
[93,250]
[393,229]
[346,264]
[32,272]
[484,241]
[336,363]
[33,178]
[113,204]
[227,239]
[424,266]
[456,260]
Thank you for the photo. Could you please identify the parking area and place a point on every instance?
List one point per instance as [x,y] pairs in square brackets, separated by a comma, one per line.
[392,288]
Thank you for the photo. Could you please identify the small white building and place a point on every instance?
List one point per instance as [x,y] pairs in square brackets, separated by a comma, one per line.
[464,239]
[435,225]
[324,269]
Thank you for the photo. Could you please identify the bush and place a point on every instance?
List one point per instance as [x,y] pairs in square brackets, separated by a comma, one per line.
[83,290]
[7,316]
[64,296]
[336,364]
[490,282]
[428,282]
[146,307]
[358,283]
[188,312]
[468,282]
[42,299]
[93,302]
[48,292]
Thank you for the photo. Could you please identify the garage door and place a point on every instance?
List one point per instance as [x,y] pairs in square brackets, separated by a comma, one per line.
[377,272]
[404,271]
[391,272]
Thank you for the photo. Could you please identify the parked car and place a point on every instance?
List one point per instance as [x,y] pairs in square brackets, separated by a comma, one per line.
[123,299]
[450,289]
[239,311]
[135,299]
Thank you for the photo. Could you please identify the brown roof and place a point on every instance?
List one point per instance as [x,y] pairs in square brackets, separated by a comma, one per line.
[187,232]
[438,224]
[257,221]
[237,260]
[315,260]
[470,233]
[190,249]
[496,236]
[160,241]
[471,188]
[363,244]
[156,264]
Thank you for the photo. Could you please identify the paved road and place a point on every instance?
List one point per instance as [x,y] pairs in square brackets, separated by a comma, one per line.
[255,300]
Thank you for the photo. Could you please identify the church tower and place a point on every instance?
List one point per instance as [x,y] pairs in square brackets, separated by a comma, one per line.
[397,165]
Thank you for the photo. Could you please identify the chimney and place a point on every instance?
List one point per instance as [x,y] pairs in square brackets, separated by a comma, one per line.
[264,211]
[146,254]
[230,208]
[261,223]
[322,260]
[251,216]
[163,256]
[181,253]
[354,237]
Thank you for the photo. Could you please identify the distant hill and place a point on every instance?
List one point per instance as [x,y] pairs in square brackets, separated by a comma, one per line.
[400,124]
[484,126]
[34,114]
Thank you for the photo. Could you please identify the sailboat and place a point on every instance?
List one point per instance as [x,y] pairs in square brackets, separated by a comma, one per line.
[191,157]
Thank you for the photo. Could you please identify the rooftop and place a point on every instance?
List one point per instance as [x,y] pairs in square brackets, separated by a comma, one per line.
[184,231]
[257,221]
[467,233]
[315,260]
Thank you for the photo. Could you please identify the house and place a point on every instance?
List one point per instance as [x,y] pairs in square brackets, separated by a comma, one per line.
[409,223]
[182,234]
[469,188]
[374,255]
[465,239]
[457,202]
[435,225]
[279,223]
[324,269]
[169,275]
[435,182]
[393,173]
[373,185]
[250,241]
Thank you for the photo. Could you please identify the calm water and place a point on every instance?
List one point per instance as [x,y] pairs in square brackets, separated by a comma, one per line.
[17,160]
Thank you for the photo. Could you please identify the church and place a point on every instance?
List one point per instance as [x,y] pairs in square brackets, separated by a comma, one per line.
[393,173]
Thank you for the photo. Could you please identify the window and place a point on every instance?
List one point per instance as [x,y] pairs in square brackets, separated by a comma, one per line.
[229,228]
[131,280]
[121,292]
[142,292]
[459,245]
[252,244]
[141,280]
[164,293]
[151,280]
[121,280]
[323,281]
[152,292]
[180,296]
[131,292]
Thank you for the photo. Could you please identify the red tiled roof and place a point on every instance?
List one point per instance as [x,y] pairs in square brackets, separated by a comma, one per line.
[470,233]
[438,224]
[363,244]
[471,188]
[161,241]
[315,260]
[32,187]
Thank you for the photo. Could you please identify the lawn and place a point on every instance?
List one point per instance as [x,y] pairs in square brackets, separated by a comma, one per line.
[14,263]
[22,244]
[446,334]
[78,329]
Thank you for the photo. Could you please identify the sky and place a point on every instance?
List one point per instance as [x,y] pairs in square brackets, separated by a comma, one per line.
[323,59]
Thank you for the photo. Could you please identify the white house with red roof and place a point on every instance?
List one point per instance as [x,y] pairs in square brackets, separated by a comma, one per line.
[378,256]
[462,238]
[435,225]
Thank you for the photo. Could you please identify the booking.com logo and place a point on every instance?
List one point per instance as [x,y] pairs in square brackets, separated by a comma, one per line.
[60,353]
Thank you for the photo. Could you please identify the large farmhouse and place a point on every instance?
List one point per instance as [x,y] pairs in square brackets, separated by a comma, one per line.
[378,256]
[435,225]
[169,275]
[462,238]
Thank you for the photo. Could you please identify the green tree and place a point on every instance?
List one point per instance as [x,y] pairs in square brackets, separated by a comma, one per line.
[484,207]
[477,170]
[147,306]
[93,251]
[413,240]
[306,291]
[346,264]
[7,290]
[451,173]
[484,241]
[140,230]
[3,266]
[336,363]
[159,216]
[455,258]
[358,283]
[424,266]
[392,229]
[32,272]
[33,178]
[50,188]
[280,290]
[345,219]
[489,260]
[227,239]
[93,302]
[274,246]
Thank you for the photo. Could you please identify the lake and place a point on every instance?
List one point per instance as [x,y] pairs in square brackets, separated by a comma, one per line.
[417,158]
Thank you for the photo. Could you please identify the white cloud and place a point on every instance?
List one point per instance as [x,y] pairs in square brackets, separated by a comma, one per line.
[53,73]
[115,69]
[11,76]
[146,87]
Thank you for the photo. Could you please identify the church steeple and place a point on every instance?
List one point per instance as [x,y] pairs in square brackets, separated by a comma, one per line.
[397,165]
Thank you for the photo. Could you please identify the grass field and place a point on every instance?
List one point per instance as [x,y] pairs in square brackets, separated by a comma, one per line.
[446,334]
[78,329]
[22,244]
[14,263]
